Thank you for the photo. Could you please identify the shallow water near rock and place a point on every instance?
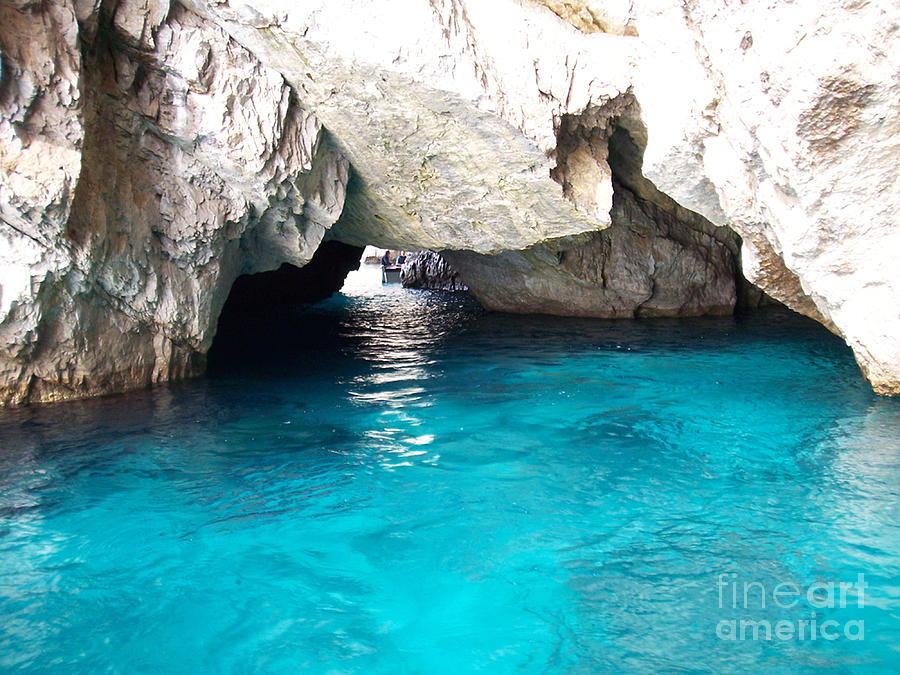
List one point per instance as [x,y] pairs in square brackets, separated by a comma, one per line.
[397,481]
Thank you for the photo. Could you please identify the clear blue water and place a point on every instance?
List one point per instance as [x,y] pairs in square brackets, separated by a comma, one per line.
[400,482]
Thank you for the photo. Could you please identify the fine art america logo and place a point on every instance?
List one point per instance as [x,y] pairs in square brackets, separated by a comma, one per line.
[789,611]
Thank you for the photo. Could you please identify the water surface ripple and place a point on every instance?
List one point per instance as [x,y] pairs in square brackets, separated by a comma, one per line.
[400,482]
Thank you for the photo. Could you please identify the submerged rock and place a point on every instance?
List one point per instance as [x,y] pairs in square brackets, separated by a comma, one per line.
[427,269]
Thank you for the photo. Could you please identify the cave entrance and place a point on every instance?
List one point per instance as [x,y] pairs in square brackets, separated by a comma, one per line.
[276,323]
[270,321]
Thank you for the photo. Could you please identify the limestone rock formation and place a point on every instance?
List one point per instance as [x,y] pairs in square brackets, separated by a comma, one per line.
[429,101]
[785,134]
[777,120]
[647,263]
[427,269]
[188,163]
[153,151]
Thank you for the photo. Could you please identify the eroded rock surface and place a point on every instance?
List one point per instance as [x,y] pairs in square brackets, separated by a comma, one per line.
[427,269]
[774,120]
[195,164]
[785,133]
[151,151]
[646,264]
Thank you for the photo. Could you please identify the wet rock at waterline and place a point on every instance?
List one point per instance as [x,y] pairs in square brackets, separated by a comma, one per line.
[647,263]
[427,269]
[150,153]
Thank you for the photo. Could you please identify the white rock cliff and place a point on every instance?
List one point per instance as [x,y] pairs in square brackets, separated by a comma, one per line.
[152,152]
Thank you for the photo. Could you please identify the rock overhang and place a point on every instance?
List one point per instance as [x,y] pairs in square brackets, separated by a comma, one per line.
[445,117]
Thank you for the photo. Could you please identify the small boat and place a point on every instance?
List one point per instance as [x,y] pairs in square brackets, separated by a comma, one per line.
[390,274]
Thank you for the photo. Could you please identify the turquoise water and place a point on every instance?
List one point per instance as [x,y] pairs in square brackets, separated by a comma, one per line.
[400,482]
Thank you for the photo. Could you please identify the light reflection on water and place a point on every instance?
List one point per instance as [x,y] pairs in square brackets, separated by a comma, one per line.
[397,481]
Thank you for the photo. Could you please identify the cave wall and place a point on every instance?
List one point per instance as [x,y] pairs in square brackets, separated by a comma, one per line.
[656,259]
[153,151]
[785,133]
[646,264]
[189,163]
[429,270]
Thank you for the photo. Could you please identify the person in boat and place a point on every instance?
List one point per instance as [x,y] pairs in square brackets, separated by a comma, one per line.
[401,258]
[386,259]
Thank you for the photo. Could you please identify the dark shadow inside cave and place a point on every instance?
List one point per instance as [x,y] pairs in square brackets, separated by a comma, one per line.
[265,312]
